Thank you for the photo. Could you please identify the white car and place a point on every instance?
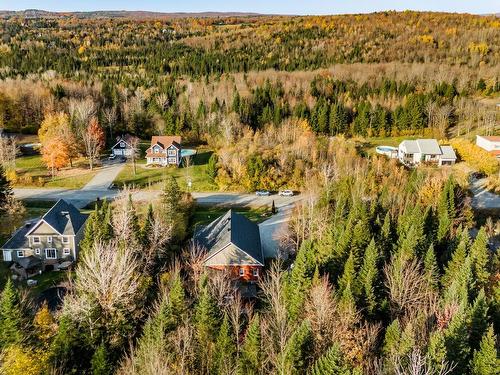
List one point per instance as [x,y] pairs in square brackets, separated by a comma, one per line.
[112,157]
[286,193]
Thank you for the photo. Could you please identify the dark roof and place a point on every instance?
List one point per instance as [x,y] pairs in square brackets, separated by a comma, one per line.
[19,239]
[65,218]
[29,262]
[232,228]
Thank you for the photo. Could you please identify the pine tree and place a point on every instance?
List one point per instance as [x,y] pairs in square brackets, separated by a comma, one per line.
[5,188]
[10,316]
[171,195]
[99,362]
[456,340]
[331,363]
[480,259]
[454,266]
[436,351]
[485,360]
[297,355]
[212,168]
[431,269]
[177,299]
[147,226]
[478,319]
[225,349]
[368,277]
[206,318]
[348,280]
[250,360]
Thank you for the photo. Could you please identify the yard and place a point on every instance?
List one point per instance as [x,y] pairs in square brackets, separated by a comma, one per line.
[151,177]
[32,172]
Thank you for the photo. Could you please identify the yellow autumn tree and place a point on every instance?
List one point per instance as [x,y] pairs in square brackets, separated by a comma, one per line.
[17,360]
[475,156]
[57,125]
[44,324]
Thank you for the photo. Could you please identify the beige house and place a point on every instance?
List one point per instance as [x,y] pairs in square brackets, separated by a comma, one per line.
[50,240]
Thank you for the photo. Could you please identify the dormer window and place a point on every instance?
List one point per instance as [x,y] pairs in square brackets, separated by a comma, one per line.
[122,144]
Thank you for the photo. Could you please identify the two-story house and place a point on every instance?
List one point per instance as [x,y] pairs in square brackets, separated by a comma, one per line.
[53,238]
[233,245]
[123,147]
[164,150]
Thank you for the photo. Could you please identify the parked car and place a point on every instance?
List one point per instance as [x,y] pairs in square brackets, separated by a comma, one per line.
[286,193]
[123,159]
[263,193]
[112,157]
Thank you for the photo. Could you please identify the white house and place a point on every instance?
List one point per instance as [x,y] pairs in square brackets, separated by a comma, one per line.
[164,150]
[490,144]
[425,150]
[122,147]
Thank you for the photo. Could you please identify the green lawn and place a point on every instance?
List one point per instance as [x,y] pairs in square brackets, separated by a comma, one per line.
[152,177]
[32,172]
[47,280]
[368,144]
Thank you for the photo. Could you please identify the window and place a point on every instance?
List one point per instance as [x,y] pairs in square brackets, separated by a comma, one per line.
[36,239]
[49,239]
[255,272]
[65,239]
[37,251]
[242,272]
[122,144]
[172,153]
[156,150]
[172,160]
[20,254]
[50,253]
[66,251]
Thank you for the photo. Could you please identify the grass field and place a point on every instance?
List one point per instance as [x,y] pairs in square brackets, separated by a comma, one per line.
[151,177]
[32,172]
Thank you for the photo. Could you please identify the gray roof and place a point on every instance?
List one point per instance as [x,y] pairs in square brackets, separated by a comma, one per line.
[19,239]
[232,228]
[448,153]
[429,146]
[65,218]
[411,147]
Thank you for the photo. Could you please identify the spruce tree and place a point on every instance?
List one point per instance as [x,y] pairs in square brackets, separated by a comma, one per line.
[297,354]
[454,266]
[431,269]
[478,319]
[10,316]
[368,276]
[331,363]
[348,280]
[99,362]
[206,318]
[485,360]
[250,359]
[147,227]
[456,340]
[225,349]
[212,168]
[480,259]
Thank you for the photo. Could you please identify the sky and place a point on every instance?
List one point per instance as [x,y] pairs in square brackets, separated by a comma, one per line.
[298,7]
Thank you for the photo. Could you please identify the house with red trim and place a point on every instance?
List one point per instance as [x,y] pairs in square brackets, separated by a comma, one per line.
[164,150]
[233,245]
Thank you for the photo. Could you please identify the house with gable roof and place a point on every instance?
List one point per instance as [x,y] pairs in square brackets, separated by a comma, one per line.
[414,152]
[233,245]
[53,238]
[164,150]
[123,147]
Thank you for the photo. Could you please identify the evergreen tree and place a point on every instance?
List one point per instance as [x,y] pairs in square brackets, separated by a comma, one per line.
[436,351]
[455,265]
[99,362]
[171,195]
[206,318]
[348,280]
[331,363]
[368,276]
[147,226]
[478,319]
[297,353]
[5,188]
[10,316]
[431,269]
[225,349]
[250,359]
[480,259]
[485,360]
[456,340]
[212,168]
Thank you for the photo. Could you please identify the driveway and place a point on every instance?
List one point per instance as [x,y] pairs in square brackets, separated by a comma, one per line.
[273,229]
[104,178]
[483,198]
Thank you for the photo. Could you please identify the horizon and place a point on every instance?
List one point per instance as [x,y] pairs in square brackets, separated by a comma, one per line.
[279,7]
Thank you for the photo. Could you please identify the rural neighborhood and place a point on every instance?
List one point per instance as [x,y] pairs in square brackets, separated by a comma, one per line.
[225,192]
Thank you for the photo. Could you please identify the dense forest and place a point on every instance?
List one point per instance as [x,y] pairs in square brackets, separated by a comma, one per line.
[387,270]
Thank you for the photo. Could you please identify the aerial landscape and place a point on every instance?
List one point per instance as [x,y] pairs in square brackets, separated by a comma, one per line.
[236,188]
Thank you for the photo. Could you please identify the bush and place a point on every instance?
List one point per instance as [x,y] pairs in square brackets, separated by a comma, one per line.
[475,156]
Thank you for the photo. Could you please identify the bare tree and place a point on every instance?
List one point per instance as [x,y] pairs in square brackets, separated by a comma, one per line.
[93,140]
[134,146]
[8,151]
[416,363]
[110,115]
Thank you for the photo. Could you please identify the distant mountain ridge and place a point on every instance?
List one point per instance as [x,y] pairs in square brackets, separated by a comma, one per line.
[38,13]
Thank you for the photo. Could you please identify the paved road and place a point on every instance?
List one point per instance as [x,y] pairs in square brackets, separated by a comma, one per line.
[272,229]
[81,198]
[104,178]
[483,198]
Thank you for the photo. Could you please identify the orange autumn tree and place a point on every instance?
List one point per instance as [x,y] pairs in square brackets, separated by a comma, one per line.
[55,154]
[93,140]
[57,125]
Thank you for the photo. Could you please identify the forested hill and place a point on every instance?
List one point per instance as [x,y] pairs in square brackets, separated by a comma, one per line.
[38,13]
